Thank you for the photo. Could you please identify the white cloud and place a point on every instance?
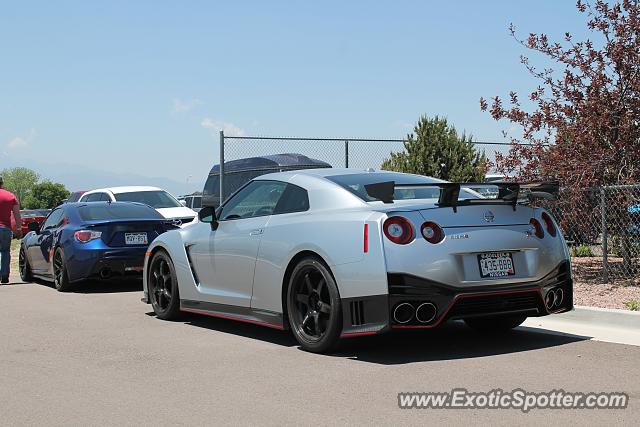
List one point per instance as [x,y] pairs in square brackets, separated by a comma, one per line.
[217,125]
[22,141]
[184,106]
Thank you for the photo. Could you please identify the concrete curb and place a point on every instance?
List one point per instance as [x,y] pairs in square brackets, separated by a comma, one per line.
[604,316]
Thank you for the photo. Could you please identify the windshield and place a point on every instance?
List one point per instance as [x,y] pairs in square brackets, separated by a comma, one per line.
[108,211]
[355,184]
[157,199]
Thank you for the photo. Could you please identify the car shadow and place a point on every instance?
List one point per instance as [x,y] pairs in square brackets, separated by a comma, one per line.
[451,341]
[246,330]
[94,286]
[107,286]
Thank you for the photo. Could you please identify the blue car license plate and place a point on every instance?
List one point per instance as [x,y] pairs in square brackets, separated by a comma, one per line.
[135,238]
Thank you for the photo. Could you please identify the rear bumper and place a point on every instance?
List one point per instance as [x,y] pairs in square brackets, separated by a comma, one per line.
[106,264]
[375,314]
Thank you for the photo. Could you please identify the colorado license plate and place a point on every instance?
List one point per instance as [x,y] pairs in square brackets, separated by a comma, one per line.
[496,264]
[135,238]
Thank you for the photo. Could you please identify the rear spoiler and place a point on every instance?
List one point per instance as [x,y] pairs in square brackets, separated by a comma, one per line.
[508,192]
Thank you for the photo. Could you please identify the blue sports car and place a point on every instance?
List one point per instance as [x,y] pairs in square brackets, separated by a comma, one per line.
[80,241]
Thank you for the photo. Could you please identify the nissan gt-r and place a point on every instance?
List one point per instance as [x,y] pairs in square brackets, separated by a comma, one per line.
[331,253]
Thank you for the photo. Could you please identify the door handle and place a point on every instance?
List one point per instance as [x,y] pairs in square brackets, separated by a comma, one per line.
[256,232]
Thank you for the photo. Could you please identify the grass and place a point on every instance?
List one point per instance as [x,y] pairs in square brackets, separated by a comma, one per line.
[582,251]
[633,305]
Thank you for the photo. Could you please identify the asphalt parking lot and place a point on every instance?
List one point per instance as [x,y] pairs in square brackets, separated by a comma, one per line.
[98,356]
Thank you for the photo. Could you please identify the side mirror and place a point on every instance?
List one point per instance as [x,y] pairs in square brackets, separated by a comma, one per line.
[183,202]
[33,226]
[208,215]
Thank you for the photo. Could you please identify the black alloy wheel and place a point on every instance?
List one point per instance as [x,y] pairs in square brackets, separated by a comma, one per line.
[24,267]
[313,305]
[60,276]
[163,287]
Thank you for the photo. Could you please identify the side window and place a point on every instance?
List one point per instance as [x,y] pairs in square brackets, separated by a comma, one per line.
[258,198]
[53,219]
[93,197]
[294,199]
[104,197]
[212,186]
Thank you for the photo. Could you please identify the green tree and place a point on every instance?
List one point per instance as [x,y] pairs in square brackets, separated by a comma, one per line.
[435,149]
[46,195]
[20,181]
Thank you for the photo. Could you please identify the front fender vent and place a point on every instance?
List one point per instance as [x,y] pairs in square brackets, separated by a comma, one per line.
[193,270]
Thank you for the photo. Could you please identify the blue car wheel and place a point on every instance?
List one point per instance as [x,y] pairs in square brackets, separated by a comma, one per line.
[60,276]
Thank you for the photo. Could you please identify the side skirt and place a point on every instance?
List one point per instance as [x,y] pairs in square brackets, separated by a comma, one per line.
[242,314]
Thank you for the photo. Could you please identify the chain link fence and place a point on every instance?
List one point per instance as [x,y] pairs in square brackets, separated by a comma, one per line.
[602,228]
[601,225]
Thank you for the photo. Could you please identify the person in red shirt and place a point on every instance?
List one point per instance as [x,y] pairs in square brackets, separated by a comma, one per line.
[8,205]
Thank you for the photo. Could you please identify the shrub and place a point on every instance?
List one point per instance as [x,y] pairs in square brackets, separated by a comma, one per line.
[581,251]
[633,305]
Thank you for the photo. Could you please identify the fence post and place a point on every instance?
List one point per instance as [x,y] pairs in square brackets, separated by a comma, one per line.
[346,154]
[605,236]
[221,168]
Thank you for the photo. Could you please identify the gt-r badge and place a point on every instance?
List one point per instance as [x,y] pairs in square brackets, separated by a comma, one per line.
[459,236]
[489,216]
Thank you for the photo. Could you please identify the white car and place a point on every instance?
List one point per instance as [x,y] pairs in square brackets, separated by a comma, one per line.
[157,198]
[332,253]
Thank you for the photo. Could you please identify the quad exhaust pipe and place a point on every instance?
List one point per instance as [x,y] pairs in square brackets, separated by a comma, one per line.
[554,298]
[405,312]
[426,312]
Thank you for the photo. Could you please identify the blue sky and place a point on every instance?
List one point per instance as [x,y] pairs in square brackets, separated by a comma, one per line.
[142,87]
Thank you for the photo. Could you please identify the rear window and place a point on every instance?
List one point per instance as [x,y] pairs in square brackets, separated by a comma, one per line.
[75,196]
[157,199]
[232,181]
[355,184]
[106,211]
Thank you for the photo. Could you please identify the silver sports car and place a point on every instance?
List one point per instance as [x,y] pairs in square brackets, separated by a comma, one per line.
[331,253]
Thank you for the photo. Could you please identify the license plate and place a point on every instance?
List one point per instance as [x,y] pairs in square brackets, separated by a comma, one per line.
[135,238]
[496,264]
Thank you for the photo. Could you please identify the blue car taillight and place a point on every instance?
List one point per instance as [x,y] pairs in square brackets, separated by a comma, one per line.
[85,236]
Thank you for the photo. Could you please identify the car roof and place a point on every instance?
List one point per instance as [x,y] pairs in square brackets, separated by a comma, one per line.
[126,189]
[275,161]
[325,173]
[76,205]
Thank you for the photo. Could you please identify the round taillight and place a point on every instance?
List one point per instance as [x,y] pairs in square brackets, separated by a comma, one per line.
[548,223]
[538,231]
[84,236]
[432,232]
[398,230]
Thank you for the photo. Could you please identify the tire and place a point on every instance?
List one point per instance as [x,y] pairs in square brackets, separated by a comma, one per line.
[60,276]
[314,308]
[23,265]
[163,287]
[495,324]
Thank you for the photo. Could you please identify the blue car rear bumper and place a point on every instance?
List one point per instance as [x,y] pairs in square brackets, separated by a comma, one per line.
[105,263]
